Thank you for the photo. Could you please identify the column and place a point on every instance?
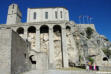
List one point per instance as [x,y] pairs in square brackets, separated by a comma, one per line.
[64,48]
[51,48]
[25,32]
[38,40]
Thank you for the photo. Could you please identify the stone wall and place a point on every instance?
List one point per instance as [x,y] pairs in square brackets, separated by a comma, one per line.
[5,51]
[84,26]
[62,14]
[18,54]
[13,53]
[14,14]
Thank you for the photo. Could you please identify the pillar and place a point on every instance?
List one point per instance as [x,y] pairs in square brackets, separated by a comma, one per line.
[51,48]
[64,48]
[38,40]
[25,32]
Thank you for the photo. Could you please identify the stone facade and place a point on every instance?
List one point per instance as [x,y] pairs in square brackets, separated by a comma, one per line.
[14,15]
[58,43]
[14,53]
[5,51]
[47,14]
[46,42]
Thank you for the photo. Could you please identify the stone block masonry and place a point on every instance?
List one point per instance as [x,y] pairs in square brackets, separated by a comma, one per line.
[5,51]
[12,53]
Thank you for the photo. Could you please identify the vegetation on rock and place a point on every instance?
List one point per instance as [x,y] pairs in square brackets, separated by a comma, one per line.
[107,52]
[89,32]
[91,59]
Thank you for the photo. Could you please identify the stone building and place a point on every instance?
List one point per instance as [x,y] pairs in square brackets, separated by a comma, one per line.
[46,39]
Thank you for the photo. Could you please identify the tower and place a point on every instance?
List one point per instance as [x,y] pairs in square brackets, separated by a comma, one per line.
[14,15]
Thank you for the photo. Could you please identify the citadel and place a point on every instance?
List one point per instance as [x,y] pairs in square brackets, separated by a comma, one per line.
[48,41]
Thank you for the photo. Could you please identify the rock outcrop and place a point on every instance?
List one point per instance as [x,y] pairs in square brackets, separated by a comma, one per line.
[92,45]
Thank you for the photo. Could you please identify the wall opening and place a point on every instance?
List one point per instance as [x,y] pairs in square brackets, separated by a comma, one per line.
[46,15]
[20,30]
[44,38]
[56,15]
[32,36]
[58,46]
[68,28]
[25,55]
[44,29]
[61,14]
[32,60]
[34,15]
[70,47]
[32,29]
[105,59]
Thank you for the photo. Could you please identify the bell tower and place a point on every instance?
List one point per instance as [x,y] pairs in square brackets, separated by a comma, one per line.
[14,15]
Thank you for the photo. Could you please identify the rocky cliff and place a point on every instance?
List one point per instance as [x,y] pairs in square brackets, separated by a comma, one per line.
[92,46]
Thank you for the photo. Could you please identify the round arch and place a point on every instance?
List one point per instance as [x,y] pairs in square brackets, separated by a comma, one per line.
[32,29]
[57,28]
[44,29]
[68,27]
[20,30]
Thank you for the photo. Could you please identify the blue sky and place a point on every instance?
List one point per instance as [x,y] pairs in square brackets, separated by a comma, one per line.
[99,10]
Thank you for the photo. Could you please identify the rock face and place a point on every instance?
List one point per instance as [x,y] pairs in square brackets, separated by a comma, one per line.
[91,46]
[32,39]
[58,50]
[44,42]
[71,47]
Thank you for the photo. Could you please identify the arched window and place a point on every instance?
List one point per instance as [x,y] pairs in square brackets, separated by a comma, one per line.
[44,29]
[44,38]
[57,28]
[31,29]
[34,15]
[68,28]
[20,30]
[58,43]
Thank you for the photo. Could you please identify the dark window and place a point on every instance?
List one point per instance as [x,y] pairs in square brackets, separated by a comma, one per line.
[13,6]
[46,15]
[31,29]
[31,59]
[105,59]
[34,15]
[20,30]
[61,14]
[56,14]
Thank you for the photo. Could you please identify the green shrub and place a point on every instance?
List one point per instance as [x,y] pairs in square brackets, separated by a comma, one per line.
[89,32]
[107,52]
[91,60]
